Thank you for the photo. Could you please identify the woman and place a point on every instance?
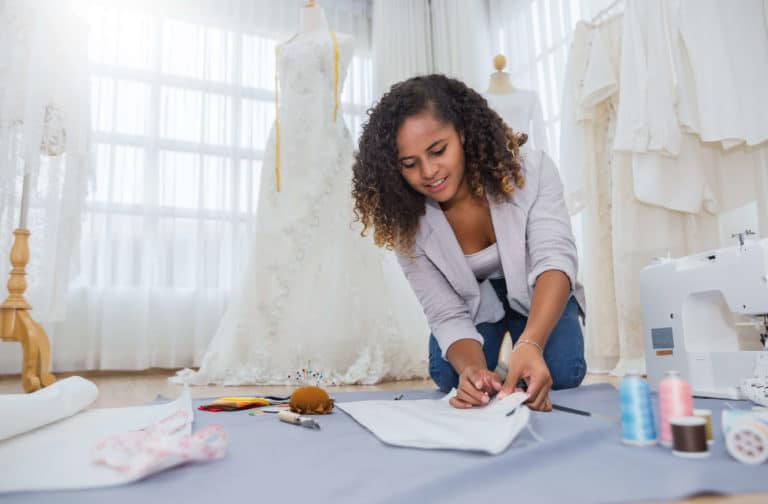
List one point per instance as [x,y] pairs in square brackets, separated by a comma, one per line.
[482,234]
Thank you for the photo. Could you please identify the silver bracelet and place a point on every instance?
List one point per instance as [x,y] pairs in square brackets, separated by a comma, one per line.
[529,342]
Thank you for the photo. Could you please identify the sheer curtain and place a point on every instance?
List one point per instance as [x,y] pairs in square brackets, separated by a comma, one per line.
[417,37]
[44,131]
[461,41]
[182,101]
[402,41]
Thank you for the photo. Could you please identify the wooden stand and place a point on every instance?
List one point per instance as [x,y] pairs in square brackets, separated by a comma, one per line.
[16,324]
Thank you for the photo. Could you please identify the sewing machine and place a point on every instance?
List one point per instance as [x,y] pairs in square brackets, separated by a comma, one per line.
[705,316]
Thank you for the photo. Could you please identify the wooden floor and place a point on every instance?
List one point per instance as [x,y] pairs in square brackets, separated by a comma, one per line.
[118,389]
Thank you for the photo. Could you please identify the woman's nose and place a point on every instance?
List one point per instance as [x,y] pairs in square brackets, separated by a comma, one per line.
[428,170]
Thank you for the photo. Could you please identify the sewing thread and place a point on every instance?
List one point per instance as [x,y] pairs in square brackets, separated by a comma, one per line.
[746,436]
[675,400]
[707,416]
[637,425]
[689,436]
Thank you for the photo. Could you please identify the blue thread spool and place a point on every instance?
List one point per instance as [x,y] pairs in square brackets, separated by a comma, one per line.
[637,425]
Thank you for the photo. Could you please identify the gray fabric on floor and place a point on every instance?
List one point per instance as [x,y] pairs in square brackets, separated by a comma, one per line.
[580,459]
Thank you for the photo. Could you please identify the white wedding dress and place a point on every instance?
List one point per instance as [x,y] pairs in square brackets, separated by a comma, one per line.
[315,294]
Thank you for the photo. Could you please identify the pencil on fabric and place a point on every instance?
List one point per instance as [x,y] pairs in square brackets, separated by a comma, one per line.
[570,410]
[575,411]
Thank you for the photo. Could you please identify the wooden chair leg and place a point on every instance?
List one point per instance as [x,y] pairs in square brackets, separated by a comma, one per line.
[39,339]
[30,355]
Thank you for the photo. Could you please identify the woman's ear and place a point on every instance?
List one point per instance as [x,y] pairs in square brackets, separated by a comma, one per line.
[461,137]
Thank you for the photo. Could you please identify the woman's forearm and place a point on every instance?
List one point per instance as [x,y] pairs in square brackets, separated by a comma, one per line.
[466,352]
[550,295]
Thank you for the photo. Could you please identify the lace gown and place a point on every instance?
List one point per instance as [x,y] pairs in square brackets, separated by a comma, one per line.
[314,294]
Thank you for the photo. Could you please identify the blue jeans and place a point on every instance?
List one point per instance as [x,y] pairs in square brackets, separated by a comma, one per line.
[563,353]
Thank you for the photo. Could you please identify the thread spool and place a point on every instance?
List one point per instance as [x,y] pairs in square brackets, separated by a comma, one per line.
[675,400]
[689,436]
[746,436]
[707,416]
[637,425]
[731,417]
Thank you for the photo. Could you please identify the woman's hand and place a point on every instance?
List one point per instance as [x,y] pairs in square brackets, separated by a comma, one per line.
[476,386]
[527,363]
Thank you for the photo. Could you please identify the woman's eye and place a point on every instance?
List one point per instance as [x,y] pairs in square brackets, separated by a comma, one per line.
[439,152]
[407,165]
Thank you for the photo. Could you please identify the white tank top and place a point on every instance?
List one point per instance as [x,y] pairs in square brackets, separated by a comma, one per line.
[486,263]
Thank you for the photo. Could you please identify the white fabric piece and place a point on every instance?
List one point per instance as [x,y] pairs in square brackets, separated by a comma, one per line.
[702,178]
[572,138]
[672,169]
[521,110]
[26,412]
[728,49]
[461,41]
[59,456]
[591,78]
[314,294]
[402,42]
[435,424]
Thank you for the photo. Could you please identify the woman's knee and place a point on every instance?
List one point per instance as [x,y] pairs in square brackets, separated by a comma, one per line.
[565,350]
[569,373]
[440,370]
[445,379]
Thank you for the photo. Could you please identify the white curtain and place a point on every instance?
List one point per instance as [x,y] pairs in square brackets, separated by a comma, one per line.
[44,133]
[402,41]
[183,98]
[461,41]
[418,37]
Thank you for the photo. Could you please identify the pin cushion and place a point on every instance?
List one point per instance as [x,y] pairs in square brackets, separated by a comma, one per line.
[311,401]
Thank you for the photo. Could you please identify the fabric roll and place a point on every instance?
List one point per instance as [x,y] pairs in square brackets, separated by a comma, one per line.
[25,412]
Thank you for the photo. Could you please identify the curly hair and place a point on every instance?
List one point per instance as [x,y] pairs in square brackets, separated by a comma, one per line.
[384,201]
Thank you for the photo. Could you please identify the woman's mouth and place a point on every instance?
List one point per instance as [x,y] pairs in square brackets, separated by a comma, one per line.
[437,185]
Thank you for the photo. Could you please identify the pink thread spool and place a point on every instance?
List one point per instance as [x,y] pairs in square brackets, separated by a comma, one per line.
[675,400]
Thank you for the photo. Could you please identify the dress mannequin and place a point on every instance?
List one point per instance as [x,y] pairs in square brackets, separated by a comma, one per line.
[500,83]
[520,108]
[314,294]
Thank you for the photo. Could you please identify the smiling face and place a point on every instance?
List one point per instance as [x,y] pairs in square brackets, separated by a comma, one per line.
[430,154]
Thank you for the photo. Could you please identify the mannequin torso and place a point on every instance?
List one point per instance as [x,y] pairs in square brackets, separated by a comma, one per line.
[500,84]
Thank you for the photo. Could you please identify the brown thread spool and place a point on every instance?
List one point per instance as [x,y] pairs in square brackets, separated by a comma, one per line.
[689,437]
[707,416]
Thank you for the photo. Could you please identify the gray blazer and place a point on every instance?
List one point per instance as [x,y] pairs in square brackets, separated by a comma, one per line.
[533,233]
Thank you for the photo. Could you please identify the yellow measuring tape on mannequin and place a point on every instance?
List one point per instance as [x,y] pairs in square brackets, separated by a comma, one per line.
[277,124]
[335,76]
[277,106]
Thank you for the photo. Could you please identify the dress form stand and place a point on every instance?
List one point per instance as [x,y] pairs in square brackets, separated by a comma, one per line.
[501,83]
[520,108]
[16,323]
